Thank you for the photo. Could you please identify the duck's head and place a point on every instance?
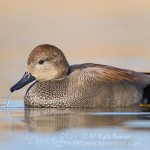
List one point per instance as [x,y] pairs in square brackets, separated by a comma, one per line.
[45,62]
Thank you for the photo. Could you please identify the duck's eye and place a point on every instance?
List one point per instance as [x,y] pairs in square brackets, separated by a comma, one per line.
[41,62]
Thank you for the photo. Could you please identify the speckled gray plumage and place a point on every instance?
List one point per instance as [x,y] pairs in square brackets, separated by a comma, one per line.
[88,85]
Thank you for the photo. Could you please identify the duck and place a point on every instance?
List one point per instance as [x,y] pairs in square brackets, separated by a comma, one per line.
[56,84]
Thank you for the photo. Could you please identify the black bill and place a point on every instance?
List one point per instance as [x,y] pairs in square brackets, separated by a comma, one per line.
[27,78]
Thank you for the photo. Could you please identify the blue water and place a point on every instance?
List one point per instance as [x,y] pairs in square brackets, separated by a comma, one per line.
[53,128]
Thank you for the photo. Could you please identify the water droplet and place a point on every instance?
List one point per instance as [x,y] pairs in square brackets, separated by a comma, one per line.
[9,97]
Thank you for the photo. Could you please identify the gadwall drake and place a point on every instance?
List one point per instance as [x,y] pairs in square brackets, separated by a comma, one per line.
[84,85]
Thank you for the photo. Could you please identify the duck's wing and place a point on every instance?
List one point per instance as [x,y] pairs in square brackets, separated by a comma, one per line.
[108,74]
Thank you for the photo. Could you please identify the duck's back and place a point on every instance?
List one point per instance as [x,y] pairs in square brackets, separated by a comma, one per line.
[89,85]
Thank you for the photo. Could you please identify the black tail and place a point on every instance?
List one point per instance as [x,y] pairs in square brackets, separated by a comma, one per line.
[146,95]
[146,73]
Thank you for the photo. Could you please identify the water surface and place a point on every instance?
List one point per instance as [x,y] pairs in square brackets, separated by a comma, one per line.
[55,128]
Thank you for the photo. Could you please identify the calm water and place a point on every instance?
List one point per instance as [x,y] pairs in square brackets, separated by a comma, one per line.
[36,128]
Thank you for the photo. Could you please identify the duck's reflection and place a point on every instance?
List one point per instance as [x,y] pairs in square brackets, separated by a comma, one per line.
[55,119]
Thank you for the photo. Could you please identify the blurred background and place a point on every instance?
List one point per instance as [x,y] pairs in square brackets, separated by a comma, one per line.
[112,32]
